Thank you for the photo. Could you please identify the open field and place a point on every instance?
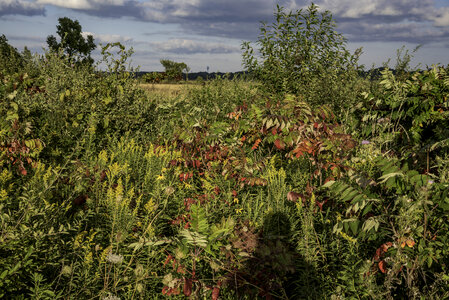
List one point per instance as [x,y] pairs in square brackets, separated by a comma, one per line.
[166,89]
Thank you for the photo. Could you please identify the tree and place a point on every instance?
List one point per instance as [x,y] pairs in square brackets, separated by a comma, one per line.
[10,59]
[300,53]
[174,69]
[72,41]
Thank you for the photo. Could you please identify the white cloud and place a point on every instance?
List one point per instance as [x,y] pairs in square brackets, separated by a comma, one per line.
[442,19]
[75,4]
[82,4]
[191,46]
[108,38]
[355,9]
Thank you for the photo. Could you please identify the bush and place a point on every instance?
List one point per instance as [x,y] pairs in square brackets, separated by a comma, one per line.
[301,53]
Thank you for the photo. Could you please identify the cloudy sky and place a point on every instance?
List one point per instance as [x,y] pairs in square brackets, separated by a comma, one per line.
[206,33]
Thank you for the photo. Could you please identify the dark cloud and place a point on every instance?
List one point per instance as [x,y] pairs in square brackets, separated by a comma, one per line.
[411,32]
[20,7]
[128,9]
[229,11]
[241,30]
[414,21]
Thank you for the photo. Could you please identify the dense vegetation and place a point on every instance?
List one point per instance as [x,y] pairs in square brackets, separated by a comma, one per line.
[233,190]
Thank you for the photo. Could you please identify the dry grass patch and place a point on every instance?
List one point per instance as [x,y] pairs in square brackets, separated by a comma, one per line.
[166,89]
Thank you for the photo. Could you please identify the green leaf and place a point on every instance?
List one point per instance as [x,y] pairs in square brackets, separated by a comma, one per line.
[199,221]
[367,209]
[370,224]
[354,226]
[328,184]
[11,116]
[14,105]
[194,238]
[385,177]
[429,261]
[3,275]
[107,100]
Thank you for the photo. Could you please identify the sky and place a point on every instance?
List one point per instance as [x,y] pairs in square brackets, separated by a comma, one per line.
[209,33]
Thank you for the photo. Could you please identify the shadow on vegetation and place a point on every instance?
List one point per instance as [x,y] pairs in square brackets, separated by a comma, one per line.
[275,270]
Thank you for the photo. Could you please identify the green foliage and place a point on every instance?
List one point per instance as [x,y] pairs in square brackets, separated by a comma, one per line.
[225,191]
[72,41]
[301,53]
[411,113]
[11,61]
[395,212]
[154,77]
[173,70]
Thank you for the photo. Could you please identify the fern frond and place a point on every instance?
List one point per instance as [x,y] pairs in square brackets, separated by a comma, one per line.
[199,220]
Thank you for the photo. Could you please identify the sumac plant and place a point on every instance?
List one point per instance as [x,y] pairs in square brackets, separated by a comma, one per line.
[293,128]
[400,217]
[413,112]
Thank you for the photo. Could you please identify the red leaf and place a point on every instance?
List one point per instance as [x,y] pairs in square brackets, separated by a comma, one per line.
[215,293]
[279,144]
[386,246]
[180,270]
[102,175]
[299,154]
[274,131]
[187,287]
[383,266]
[377,254]
[23,171]
[410,243]
[164,290]
[320,204]
[169,257]
[293,196]
[256,144]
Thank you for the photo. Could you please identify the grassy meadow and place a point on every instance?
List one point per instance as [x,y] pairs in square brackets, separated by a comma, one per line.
[110,189]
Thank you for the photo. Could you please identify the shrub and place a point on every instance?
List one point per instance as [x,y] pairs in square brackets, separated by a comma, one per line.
[301,53]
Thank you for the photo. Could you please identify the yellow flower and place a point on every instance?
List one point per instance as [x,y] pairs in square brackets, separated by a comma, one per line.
[88,258]
[5,176]
[347,237]
[236,200]
[105,253]
[103,157]
[47,176]
[150,206]
[239,210]
[3,195]
[160,177]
